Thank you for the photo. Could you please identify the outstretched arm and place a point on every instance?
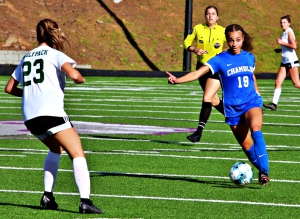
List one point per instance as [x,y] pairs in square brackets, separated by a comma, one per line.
[192,76]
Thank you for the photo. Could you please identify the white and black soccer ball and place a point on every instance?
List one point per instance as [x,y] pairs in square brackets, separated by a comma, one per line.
[241,173]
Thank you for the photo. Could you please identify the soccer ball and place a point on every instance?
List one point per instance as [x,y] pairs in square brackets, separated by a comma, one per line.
[241,173]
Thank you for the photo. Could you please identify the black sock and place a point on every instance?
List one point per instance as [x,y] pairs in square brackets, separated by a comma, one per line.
[220,107]
[204,115]
[85,200]
[49,194]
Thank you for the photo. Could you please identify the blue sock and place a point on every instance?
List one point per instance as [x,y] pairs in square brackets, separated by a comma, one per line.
[252,156]
[260,150]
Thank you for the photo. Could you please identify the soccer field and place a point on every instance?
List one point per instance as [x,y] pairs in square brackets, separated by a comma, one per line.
[141,165]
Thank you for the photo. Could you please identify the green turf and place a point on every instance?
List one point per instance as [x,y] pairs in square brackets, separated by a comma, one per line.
[153,175]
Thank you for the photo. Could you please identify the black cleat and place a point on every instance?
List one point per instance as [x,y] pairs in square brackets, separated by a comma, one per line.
[271,106]
[48,202]
[195,137]
[87,207]
[263,178]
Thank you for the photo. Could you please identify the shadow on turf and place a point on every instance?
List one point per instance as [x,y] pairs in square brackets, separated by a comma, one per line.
[35,207]
[215,183]
[177,143]
[143,139]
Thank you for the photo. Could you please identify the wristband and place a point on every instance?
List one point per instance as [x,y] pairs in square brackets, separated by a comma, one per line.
[194,50]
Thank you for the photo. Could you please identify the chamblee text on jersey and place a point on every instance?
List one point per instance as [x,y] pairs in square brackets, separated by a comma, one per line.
[240,69]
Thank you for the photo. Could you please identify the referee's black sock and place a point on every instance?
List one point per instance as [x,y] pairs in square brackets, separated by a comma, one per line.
[220,107]
[204,115]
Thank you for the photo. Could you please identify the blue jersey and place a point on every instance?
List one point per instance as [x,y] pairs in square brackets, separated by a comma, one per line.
[236,76]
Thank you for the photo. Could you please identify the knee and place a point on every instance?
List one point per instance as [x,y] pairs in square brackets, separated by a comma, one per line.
[214,101]
[278,82]
[75,154]
[256,128]
[207,99]
[246,145]
[55,149]
[297,85]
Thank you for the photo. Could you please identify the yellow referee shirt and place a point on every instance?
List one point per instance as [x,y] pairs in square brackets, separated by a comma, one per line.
[209,39]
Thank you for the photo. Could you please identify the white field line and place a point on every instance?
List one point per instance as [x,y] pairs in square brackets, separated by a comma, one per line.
[143,93]
[170,100]
[128,100]
[171,119]
[158,89]
[157,118]
[189,157]
[164,198]
[188,98]
[196,96]
[147,93]
[160,106]
[231,146]
[162,90]
[142,106]
[144,153]
[206,130]
[143,174]
[146,117]
[175,101]
[156,83]
[162,111]
[121,110]
[152,85]
[10,155]
[174,104]
[115,87]
[114,106]
[149,140]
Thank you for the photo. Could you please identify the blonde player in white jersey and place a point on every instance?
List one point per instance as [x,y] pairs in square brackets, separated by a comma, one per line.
[42,75]
[289,61]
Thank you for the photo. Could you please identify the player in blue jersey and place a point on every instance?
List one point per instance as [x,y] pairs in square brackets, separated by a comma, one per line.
[242,102]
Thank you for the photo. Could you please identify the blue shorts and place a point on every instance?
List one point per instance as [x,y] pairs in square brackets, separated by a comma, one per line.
[240,119]
[235,120]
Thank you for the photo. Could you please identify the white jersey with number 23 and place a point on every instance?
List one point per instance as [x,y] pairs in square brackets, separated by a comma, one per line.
[43,81]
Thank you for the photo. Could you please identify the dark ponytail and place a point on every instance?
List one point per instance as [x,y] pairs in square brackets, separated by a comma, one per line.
[48,32]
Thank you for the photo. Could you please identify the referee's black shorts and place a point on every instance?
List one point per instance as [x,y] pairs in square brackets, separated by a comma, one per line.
[203,79]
